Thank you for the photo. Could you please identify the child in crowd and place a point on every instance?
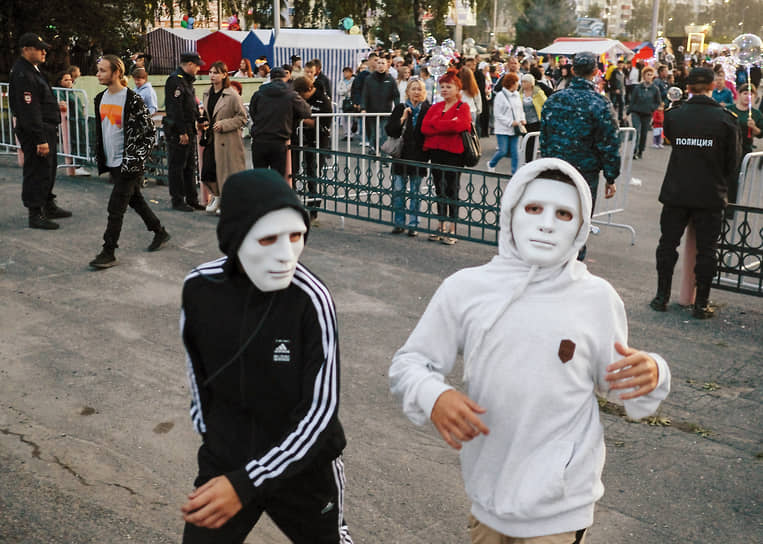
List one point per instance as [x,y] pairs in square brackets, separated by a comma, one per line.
[145,90]
[658,118]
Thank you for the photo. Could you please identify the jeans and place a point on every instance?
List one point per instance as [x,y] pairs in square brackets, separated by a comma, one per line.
[398,200]
[642,122]
[371,129]
[126,192]
[506,143]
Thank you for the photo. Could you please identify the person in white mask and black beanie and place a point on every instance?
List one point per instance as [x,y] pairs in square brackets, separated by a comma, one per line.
[260,332]
[540,336]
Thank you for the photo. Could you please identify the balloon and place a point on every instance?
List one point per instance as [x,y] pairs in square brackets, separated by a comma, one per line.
[747,48]
[438,65]
[348,23]
[674,94]
[659,45]
[670,58]
[394,38]
[436,50]
[450,44]
[184,23]
[185,17]
[446,51]
[429,43]
[469,43]
[191,20]
[355,30]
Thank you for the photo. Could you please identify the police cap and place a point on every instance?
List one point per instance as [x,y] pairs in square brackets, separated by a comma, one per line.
[191,56]
[30,39]
[584,60]
[700,76]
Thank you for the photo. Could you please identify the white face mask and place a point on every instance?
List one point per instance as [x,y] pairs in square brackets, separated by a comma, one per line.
[270,251]
[546,221]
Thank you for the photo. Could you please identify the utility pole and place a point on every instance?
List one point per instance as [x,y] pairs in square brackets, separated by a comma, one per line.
[655,18]
[219,14]
[495,23]
[276,17]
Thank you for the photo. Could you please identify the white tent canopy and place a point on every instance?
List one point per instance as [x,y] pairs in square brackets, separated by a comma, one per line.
[572,46]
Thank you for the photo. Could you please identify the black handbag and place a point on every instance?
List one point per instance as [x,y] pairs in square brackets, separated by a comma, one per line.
[207,137]
[472,150]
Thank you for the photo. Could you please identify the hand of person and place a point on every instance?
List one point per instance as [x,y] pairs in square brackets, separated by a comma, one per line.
[212,504]
[43,149]
[309,122]
[515,123]
[184,139]
[217,127]
[636,370]
[406,113]
[454,416]
[609,190]
[62,106]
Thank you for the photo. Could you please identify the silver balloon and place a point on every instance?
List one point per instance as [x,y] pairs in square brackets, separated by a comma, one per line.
[469,42]
[675,94]
[747,48]
[394,38]
[429,43]
[670,58]
[447,51]
[438,65]
[436,50]
[450,44]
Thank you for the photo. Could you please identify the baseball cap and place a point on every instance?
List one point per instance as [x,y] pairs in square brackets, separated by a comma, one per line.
[295,57]
[192,56]
[584,59]
[30,39]
[277,73]
[700,75]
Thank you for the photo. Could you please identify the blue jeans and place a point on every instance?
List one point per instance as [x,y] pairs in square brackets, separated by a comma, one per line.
[506,143]
[398,200]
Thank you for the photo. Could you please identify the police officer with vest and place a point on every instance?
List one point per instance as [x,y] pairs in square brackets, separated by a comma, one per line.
[37,116]
[182,115]
[705,147]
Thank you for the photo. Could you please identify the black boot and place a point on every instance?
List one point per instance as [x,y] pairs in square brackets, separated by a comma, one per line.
[161,237]
[105,259]
[660,301]
[52,211]
[703,308]
[38,220]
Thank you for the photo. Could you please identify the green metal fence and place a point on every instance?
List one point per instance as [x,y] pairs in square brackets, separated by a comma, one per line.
[361,186]
[740,251]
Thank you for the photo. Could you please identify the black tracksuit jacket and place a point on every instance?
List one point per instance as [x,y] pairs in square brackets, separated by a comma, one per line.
[272,414]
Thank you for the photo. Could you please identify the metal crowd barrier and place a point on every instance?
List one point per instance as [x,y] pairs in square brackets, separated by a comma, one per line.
[740,251]
[605,209]
[360,186]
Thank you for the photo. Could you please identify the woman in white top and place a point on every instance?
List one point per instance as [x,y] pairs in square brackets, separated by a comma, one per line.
[403,75]
[344,95]
[509,121]
[470,94]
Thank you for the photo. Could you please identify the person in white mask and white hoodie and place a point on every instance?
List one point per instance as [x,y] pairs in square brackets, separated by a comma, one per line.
[540,337]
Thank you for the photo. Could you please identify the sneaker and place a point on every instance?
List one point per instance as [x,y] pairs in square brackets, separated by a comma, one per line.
[161,237]
[182,207]
[52,211]
[81,171]
[659,304]
[314,222]
[435,236]
[448,240]
[491,169]
[105,259]
[412,233]
[705,311]
[398,230]
[213,205]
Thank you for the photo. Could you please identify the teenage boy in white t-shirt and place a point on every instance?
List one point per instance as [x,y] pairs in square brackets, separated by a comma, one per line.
[124,138]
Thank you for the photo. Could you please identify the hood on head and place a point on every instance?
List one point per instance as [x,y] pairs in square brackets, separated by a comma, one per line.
[516,188]
[246,197]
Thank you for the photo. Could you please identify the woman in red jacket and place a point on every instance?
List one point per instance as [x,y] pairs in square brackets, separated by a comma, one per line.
[442,128]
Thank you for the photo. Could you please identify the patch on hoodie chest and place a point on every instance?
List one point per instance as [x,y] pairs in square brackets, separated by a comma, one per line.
[566,350]
[282,351]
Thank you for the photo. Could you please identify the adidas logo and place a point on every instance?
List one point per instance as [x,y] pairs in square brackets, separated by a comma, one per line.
[281,353]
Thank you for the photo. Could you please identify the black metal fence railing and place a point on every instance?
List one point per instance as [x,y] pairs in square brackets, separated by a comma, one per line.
[740,251]
[363,187]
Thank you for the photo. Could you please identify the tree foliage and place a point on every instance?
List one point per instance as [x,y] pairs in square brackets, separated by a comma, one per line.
[542,21]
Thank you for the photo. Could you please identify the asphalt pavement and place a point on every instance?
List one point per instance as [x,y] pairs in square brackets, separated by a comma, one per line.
[96,443]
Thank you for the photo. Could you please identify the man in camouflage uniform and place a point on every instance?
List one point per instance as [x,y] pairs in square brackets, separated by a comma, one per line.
[579,125]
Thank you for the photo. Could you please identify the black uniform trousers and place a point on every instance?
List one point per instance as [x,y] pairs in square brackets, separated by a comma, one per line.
[181,170]
[308,508]
[39,173]
[126,192]
[446,183]
[707,226]
[270,155]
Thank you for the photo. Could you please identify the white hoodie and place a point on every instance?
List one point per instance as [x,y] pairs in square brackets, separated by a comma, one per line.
[538,472]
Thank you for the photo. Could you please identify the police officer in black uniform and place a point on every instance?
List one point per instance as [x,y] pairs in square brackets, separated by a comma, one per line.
[37,116]
[180,132]
[705,147]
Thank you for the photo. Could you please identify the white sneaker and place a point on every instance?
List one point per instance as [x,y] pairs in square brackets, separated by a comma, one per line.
[213,205]
[81,171]
[491,168]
